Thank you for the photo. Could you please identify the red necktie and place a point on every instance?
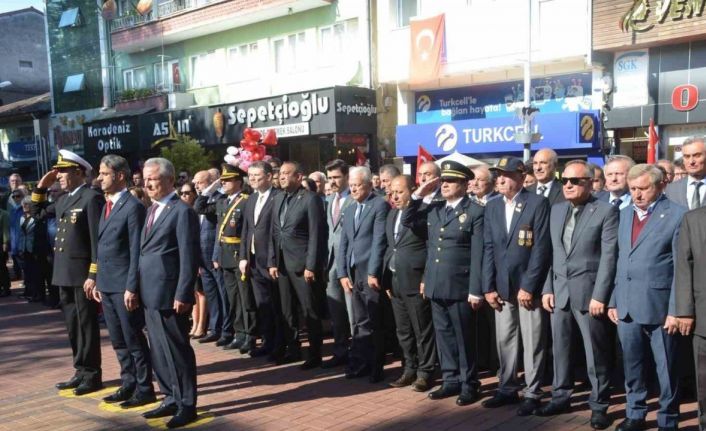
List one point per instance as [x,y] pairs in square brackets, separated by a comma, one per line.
[150,218]
[108,208]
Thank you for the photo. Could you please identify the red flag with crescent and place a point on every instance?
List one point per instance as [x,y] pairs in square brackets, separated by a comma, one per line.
[652,143]
[428,50]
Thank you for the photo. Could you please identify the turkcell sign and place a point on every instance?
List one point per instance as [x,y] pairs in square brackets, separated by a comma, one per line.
[559,131]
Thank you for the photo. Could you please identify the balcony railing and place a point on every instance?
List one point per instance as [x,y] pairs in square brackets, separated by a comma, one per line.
[162,10]
[130,21]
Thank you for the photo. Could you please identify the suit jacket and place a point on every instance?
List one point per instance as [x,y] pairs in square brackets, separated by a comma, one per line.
[229,225]
[119,246]
[4,228]
[366,242]
[334,230]
[510,262]
[208,224]
[33,238]
[676,191]
[644,283]
[408,253]
[587,270]
[169,257]
[604,196]
[302,237]
[556,195]
[76,242]
[259,232]
[690,288]
[454,248]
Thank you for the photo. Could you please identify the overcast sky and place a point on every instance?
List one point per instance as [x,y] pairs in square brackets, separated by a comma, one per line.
[8,5]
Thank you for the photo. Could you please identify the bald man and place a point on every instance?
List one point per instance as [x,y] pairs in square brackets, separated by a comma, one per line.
[544,167]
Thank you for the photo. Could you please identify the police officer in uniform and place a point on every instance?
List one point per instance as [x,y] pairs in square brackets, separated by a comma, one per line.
[77,213]
[230,212]
[452,276]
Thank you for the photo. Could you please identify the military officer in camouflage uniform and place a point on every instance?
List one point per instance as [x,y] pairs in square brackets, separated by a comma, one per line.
[77,213]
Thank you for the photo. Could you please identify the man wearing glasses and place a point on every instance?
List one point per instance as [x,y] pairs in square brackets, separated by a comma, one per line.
[584,234]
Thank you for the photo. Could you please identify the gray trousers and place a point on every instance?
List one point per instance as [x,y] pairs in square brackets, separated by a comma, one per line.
[700,359]
[341,311]
[511,323]
[594,333]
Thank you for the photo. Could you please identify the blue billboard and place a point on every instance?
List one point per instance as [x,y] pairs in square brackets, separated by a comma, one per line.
[565,93]
[562,131]
[22,150]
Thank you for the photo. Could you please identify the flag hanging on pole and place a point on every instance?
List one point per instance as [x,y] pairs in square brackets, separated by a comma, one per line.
[423,156]
[652,143]
[428,48]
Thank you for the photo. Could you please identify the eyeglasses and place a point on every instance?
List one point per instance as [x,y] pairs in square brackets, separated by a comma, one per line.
[575,180]
[16,196]
[186,193]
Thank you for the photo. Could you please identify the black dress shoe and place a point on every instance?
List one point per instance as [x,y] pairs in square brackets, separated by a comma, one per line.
[288,358]
[233,345]
[335,361]
[467,398]
[122,394]
[258,352]
[224,341]
[552,409]
[445,391]
[356,373]
[87,387]
[311,363]
[631,425]
[500,400]
[420,385]
[138,400]
[403,380]
[71,384]
[599,420]
[527,407]
[210,338]
[184,416]
[247,345]
[377,376]
[161,412]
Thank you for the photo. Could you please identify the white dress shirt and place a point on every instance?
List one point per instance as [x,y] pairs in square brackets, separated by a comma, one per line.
[548,189]
[115,197]
[161,204]
[690,187]
[509,210]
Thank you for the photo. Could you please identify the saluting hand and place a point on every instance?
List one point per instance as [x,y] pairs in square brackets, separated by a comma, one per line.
[48,179]
[427,187]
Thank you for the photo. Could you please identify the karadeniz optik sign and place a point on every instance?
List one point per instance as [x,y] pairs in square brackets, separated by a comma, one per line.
[116,136]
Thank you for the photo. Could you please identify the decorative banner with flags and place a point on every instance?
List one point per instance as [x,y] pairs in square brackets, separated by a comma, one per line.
[428,48]
[423,156]
[652,143]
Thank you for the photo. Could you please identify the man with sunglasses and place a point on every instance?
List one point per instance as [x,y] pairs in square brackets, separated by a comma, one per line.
[584,234]
[78,213]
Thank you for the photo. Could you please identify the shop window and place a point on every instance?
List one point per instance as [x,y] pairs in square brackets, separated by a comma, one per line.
[244,62]
[25,66]
[291,53]
[135,78]
[404,10]
[338,42]
[167,76]
[75,83]
[70,18]
[204,70]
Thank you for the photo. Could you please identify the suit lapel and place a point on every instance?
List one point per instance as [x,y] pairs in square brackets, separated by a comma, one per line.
[265,206]
[516,214]
[166,212]
[658,214]
[402,229]
[118,205]
[581,223]
[460,208]
[294,203]
[363,213]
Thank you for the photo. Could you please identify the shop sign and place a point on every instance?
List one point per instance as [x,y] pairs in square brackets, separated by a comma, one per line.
[685,97]
[643,15]
[22,150]
[630,78]
[287,130]
[301,107]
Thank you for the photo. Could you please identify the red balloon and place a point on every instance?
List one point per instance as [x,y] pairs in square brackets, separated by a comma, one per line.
[252,135]
[270,139]
[247,144]
[258,153]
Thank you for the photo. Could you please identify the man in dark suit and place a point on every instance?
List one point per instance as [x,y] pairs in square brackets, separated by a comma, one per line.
[220,325]
[256,238]
[296,259]
[690,191]
[642,304]
[360,263]
[517,254]
[482,186]
[404,264]
[452,276]
[544,167]
[338,300]
[584,233]
[117,283]
[5,242]
[169,261]
[77,212]
[229,211]
[616,181]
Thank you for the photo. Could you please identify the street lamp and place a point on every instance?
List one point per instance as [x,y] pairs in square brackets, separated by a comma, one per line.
[4,84]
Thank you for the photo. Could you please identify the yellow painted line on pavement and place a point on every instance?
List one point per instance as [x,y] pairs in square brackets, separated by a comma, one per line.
[115,407]
[202,418]
[69,393]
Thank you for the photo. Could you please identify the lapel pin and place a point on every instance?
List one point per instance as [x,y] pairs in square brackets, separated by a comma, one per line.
[661,216]
[462,218]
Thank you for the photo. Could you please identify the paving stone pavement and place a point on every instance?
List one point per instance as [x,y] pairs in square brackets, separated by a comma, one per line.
[241,393]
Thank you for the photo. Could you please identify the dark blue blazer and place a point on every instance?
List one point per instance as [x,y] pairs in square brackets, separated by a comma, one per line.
[368,242]
[260,232]
[207,233]
[34,238]
[169,257]
[507,265]
[119,246]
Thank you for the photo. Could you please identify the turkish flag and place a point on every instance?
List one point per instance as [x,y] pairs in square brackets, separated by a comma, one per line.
[652,143]
[423,156]
[428,48]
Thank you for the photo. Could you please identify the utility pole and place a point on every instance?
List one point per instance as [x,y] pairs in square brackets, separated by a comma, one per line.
[527,137]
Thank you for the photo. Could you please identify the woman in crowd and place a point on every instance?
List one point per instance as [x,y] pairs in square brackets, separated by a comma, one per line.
[199,315]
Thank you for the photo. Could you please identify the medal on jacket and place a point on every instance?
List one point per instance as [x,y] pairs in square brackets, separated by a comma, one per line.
[462,218]
[232,222]
[525,237]
[74,217]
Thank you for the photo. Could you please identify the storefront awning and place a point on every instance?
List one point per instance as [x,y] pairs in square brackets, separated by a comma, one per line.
[35,104]
[107,115]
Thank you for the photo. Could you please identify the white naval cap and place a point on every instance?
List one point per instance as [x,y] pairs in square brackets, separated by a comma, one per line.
[68,159]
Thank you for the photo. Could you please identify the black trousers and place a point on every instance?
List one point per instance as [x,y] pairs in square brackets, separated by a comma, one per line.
[172,356]
[129,342]
[269,316]
[81,316]
[293,291]
[415,331]
[368,340]
[4,273]
[456,341]
[243,311]
[34,267]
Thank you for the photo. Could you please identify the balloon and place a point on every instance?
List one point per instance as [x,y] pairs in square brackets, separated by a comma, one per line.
[247,144]
[270,138]
[233,151]
[251,134]
[259,153]
[231,160]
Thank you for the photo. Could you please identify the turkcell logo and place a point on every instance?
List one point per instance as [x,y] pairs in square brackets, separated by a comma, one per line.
[423,103]
[446,137]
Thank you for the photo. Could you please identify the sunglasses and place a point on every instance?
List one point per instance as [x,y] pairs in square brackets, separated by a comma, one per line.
[575,180]
[186,193]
